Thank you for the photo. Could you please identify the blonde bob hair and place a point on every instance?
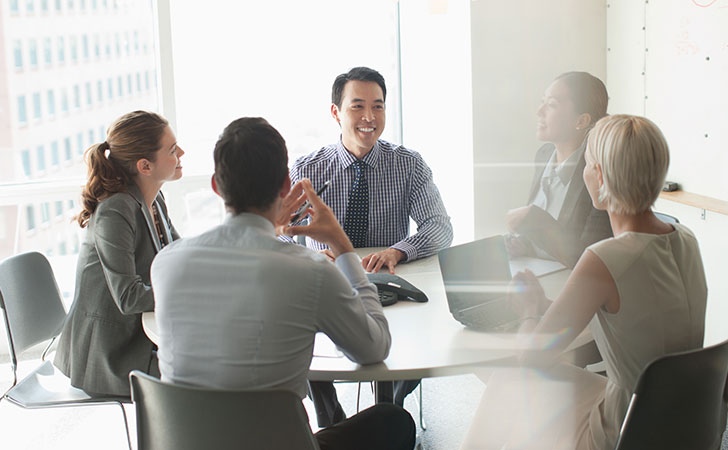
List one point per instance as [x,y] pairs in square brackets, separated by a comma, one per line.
[634,158]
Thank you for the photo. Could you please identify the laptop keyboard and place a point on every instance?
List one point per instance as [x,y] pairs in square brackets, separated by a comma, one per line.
[491,316]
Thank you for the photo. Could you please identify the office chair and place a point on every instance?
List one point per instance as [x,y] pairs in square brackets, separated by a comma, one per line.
[34,313]
[666,217]
[680,402]
[171,416]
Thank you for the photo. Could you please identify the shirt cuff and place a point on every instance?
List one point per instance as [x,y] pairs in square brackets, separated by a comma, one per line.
[350,264]
[409,250]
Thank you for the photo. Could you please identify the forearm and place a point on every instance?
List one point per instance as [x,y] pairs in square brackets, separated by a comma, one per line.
[432,235]
[364,338]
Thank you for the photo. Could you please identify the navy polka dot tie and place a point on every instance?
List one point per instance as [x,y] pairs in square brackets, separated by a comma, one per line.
[356,223]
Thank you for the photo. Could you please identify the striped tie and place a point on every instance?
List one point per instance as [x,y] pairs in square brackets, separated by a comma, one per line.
[356,223]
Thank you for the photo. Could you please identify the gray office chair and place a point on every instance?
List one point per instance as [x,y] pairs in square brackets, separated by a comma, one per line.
[34,313]
[666,217]
[680,402]
[171,416]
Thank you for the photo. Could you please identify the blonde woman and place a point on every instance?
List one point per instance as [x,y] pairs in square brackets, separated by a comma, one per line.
[645,288]
[126,217]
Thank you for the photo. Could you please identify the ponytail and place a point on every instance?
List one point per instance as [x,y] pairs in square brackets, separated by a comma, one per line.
[104,179]
[112,163]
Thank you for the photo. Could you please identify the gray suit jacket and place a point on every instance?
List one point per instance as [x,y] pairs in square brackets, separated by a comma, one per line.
[103,339]
[579,224]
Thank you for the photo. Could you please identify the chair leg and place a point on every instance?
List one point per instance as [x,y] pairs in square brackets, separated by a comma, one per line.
[358,395]
[420,406]
[126,425]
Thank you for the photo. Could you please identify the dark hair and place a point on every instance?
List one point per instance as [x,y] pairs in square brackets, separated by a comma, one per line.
[251,164]
[356,74]
[112,163]
[588,94]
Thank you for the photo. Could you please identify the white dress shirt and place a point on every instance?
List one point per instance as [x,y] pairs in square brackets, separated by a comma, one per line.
[555,183]
[236,308]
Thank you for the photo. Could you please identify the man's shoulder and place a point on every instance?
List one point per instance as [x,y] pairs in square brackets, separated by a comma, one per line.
[398,151]
[322,155]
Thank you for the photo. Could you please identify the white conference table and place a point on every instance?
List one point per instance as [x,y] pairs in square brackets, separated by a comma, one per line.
[426,340]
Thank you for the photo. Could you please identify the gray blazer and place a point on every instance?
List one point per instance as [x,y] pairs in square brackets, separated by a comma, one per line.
[102,339]
[579,224]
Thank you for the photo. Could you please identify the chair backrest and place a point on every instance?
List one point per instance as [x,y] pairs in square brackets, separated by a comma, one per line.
[679,402]
[185,417]
[30,300]
[666,218]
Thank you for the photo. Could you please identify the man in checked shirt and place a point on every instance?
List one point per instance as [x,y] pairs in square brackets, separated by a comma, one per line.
[375,188]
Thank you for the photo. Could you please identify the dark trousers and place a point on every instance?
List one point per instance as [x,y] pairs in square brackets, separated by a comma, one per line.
[382,427]
[329,410]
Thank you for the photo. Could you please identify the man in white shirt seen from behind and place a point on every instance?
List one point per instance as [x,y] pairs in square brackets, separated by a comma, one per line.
[239,309]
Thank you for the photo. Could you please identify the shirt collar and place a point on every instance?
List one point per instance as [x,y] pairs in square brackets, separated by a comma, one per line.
[346,159]
[250,220]
[565,170]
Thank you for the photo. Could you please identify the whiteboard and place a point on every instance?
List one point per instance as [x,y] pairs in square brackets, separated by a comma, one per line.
[676,60]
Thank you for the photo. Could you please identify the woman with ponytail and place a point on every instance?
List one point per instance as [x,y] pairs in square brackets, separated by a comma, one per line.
[127,225]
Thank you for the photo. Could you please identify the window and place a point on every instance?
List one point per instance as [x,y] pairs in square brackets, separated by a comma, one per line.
[14,8]
[40,158]
[128,84]
[30,6]
[55,157]
[67,147]
[84,46]
[100,90]
[59,208]
[107,46]
[64,100]
[33,53]
[22,112]
[62,248]
[74,49]
[102,133]
[44,5]
[47,51]
[146,80]
[25,159]
[58,5]
[61,49]
[70,4]
[30,217]
[51,103]
[120,86]
[76,96]
[97,47]
[91,138]
[139,82]
[89,100]
[79,143]
[45,212]
[127,45]
[36,105]
[117,45]
[82,5]
[136,42]
[18,54]
[94,4]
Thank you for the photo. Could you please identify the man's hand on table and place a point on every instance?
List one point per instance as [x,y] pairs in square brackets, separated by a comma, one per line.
[389,257]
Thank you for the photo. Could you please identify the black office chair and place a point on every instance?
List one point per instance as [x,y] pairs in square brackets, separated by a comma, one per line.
[34,313]
[171,416]
[666,217]
[680,402]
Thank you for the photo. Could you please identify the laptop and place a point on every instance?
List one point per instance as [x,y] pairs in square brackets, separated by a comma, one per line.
[476,277]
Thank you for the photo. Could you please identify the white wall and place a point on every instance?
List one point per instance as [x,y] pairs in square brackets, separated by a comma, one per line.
[518,48]
[657,67]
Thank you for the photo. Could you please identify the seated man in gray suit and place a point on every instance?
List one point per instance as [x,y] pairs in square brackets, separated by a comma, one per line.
[239,309]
